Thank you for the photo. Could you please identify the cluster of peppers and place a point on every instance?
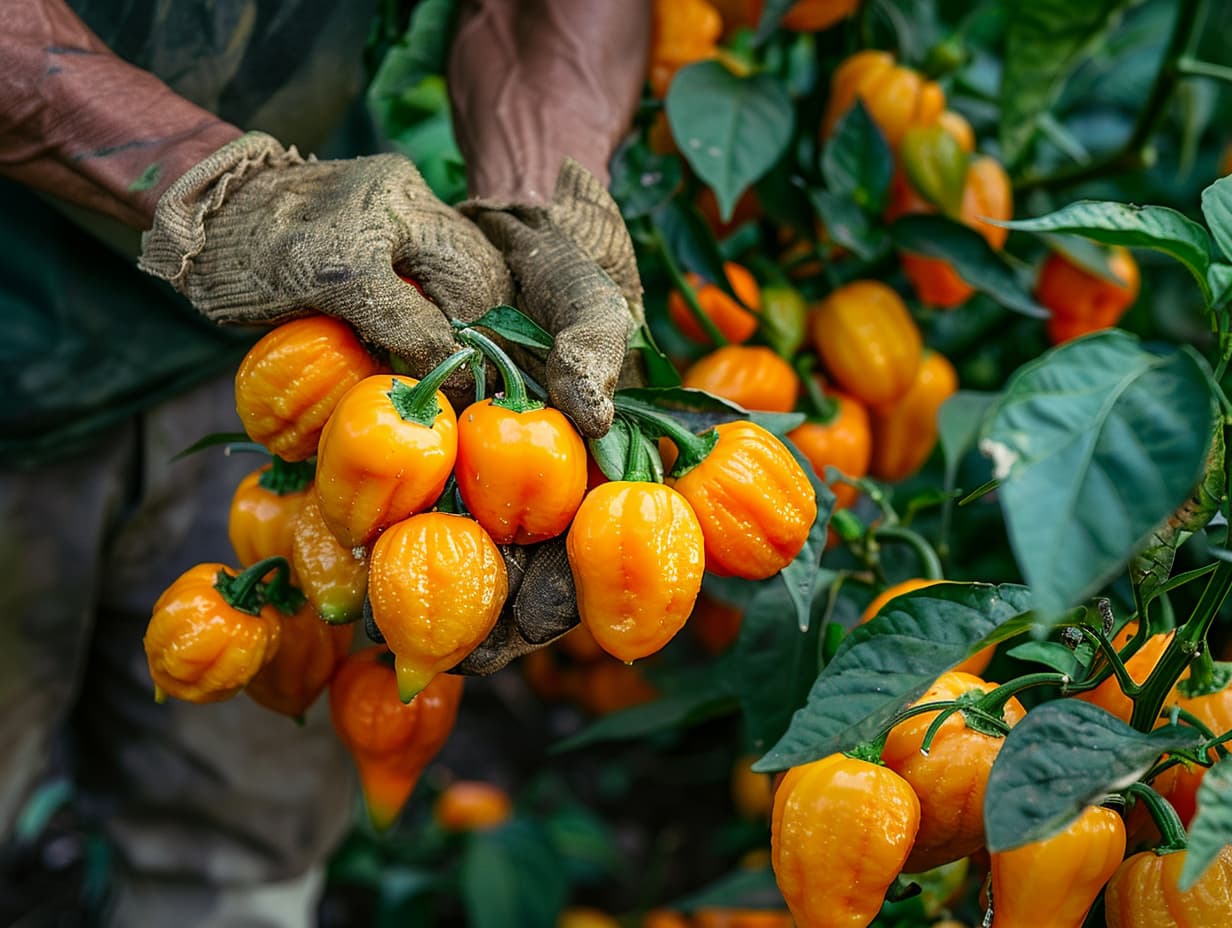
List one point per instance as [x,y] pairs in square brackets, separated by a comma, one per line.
[379,496]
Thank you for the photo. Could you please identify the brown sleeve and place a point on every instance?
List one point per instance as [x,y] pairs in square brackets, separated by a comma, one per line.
[78,122]
[534,81]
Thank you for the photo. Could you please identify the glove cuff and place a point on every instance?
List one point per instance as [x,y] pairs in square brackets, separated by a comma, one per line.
[177,235]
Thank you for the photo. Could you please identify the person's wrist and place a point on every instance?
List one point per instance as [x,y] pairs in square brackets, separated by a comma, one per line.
[179,158]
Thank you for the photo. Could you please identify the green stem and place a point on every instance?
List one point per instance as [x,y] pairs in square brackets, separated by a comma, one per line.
[1192,67]
[1166,819]
[243,591]
[637,463]
[930,735]
[824,408]
[692,449]
[515,397]
[1195,722]
[287,477]
[869,751]
[1116,663]
[920,709]
[995,699]
[418,403]
[681,283]
[930,564]
[1188,642]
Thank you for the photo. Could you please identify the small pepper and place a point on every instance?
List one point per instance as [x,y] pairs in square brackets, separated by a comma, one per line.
[264,509]
[734,321]
[333,578]
[472,805]
[1145,893]
[308,654]
[896,97]
[750,376]
[905,434]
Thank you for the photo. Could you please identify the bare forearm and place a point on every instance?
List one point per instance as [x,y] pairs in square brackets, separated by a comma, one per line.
[534,81]
[80,123]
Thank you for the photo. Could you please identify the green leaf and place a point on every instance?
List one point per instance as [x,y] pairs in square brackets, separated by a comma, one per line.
[958,424]
[512,877]
[972,258]
[690,242]
[802,575]
[730,129]
[857,163]
[1219,279]
[1051,654]
[1155,227]
[771,14]
[643,181]
[771,666]
[698,410]
[1096,442]
[660,371]
[420,52]
[1217,210]
[1044,41]
[889,661]
[848,225]
[741,889]
[585,843]
[514,326]
[1063,756]
[1211,829]
[236,441]
[611,452]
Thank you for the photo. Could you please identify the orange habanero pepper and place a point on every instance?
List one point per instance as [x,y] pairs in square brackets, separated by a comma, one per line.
[840,833]
[472,805]
[1108,695]
[905,434]
[950,779]
[264,510]
[975,664]
[1082,302]
[896,97]
[1145,893]
[385,454]
[333,578]
[749,375]
[1179,785]
[844,442]
[214,628]
[681,32]
[736,323]
[309,653]
[391,742]
[290,381]
[1055,881]
[816,15]
[868,341]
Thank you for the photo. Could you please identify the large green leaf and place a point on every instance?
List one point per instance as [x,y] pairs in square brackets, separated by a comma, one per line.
[1095,442]
[971,257]
[512,877]
[1217,210]
[698,410]
[959,423]
[642,181]
[1211,829]
[730,129]
[889,661]
[1044,41]
[802,576]
[420,52]
[1155,227]
[848,225]
[857,163]
[1063,756]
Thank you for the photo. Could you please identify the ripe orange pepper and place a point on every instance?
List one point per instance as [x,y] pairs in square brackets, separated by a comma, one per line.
[308,655]
[987,194]
[868,341]
[1108,695]
[750,376]
[736,323]
[1055,881]
[975,664]
[522,475]
[950,779]
[753,528]
[840,833]
[904,435]
[383,457]
[608,686]
[1145,893]
[214,628]
[332,577]
[1179,785]
[816,15]
[622,537]
[741,918]
[896,97]
[437,584]
[716,625]
[391,742]
[1082,302]
[263,513]
[472,805]
[844,442]
[682,32]
[290,381]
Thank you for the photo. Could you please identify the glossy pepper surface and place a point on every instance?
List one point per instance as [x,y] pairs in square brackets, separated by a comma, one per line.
[975,664]
[896,97]
[1145,893]
[682,31]
[737,321]
[637,554]
[1108,695]
[391,742]
[840,833]
[200,647]
[905,434]
[868,341]
[1180,785]
[291,380]
[308,654]
[749,375]
[1055,881]
[374,467]
[522,475]
[844,442]
[950,779]
[261,521]
[333,578]
[753,500]
[437,584]
[1082,302]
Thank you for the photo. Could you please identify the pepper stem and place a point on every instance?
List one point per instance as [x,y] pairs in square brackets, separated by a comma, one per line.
[287,477]
[418,403]
[693,448]
[515,397]
[243,591]
[637,463]
[869,751]
[1166,819]
[824,408]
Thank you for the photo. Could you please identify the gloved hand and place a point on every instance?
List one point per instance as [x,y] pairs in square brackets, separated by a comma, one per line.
[256,234]
[576,273]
